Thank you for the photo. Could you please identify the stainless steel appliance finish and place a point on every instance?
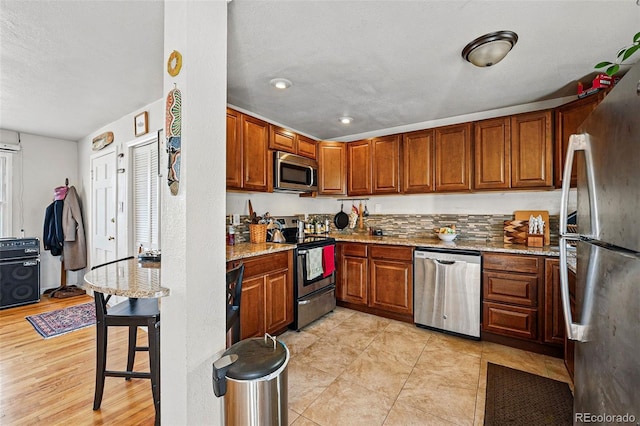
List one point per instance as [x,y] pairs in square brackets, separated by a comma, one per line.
[447,290]
[294,173]
[607,314]
[19,271]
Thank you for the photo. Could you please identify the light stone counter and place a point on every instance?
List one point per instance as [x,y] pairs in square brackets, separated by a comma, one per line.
[128,278]
[245,250]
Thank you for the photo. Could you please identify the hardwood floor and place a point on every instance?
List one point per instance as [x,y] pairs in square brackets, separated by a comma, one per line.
[52,381]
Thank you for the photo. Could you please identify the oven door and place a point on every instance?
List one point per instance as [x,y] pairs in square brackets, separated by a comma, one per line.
[305,286]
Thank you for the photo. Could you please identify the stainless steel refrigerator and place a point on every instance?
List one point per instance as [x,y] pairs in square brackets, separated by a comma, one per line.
[606,324]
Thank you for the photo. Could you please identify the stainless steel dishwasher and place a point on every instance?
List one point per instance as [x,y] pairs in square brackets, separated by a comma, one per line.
[446,285]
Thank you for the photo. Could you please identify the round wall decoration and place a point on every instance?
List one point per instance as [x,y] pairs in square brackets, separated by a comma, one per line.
[174,64]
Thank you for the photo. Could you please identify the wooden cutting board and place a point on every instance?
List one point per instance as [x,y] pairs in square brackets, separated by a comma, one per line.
[525,214]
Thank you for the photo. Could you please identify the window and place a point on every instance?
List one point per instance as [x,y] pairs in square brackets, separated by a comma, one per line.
[146,205]
[5,194]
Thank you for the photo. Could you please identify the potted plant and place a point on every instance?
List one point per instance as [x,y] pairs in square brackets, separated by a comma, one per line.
[623,54]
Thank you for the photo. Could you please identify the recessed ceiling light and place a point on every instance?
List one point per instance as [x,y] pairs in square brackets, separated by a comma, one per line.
[490,49]
[346,120]
[280,83]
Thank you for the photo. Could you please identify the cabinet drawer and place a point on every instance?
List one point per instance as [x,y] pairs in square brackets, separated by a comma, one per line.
[512,263]
[261,265]
[521,289]
[392,252]
[510,320]
[354,249]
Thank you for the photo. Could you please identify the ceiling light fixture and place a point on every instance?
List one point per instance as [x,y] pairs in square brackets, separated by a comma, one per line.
[346,120]
[280,83]
[489,49]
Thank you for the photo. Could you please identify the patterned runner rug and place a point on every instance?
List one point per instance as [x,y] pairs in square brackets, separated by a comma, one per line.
[63,321]
[516,397]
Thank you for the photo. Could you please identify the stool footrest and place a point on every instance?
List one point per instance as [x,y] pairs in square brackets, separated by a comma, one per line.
[128,374]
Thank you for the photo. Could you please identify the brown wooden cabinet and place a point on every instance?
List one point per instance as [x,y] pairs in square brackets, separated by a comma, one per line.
[352,277]
[359,168]
[492,149]
[391,278]
[553,315]
[332,168]
[568,118]
[531,150]
[385,153]
[248,157]
[511,294]
[453,158]
[281,139]
[267,294]
[307,147]
[417,164]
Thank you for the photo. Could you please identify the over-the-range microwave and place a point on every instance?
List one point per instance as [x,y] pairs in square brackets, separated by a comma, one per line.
[294,173]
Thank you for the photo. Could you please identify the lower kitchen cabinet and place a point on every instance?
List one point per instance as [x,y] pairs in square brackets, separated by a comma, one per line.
[553,315]
[266,304]
[377,279]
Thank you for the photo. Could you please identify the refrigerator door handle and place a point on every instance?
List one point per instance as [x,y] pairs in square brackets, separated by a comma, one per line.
[580,142]
[575,331]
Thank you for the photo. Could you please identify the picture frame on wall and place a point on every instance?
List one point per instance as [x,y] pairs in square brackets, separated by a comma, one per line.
[141,124]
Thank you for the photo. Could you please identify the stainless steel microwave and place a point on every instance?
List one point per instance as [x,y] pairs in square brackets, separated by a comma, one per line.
[294,173]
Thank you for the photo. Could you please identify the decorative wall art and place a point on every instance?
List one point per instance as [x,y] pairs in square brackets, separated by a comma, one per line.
[102,140]
[173,127]
[141,124]
[174,63]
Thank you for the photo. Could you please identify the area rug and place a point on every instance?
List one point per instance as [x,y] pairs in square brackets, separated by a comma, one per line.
[515,397]
[63,321]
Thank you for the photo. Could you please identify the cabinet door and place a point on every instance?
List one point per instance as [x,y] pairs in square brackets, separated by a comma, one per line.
[567,120]
[385,152]
[531,145]
[453,158]
[332,168]
[492,148]
[359,168]
[281,139]
[255,154]
[352,286]
[234,149]
[510,320]
[553,315]
[391,286]
[306,147]
[278,301]
[417,165]
[252,308]
[521,289]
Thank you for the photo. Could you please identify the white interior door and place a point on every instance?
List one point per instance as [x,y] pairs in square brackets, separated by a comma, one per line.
[103,208]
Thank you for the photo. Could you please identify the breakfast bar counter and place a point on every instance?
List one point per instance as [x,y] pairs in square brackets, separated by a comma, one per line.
[128,278]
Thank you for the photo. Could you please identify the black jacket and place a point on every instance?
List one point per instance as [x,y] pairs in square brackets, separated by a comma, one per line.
[53,236]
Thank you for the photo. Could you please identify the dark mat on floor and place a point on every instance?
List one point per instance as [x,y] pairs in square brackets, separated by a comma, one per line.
[515,397]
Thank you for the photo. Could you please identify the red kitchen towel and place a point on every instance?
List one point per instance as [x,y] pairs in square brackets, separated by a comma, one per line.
[328,260]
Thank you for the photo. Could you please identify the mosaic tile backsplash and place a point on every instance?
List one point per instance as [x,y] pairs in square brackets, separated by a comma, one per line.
[470,227]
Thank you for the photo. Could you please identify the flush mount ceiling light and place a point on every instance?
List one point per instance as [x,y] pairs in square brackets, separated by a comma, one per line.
[346,120]
[280,83]
[489,49]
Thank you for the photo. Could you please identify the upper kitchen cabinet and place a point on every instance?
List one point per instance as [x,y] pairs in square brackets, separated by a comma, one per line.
[417,155]
[332,168]
[281,139]
[234,149]
[453,158]
[359,168]
[568,118]
[386,164]
[256,155]
[492,149]
[531,150]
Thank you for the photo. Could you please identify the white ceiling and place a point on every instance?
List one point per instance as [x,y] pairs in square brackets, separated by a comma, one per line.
[69,67]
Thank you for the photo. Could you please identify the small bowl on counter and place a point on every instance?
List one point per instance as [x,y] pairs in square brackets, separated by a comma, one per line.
[447,237]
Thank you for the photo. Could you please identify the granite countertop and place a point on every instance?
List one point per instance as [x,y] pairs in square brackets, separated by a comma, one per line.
[245,250]
[128,278]
[485,246]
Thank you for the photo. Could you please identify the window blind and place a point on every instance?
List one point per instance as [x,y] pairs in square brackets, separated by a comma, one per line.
[146,221]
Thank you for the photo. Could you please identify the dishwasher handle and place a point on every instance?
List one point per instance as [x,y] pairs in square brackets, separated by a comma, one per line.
[445,262]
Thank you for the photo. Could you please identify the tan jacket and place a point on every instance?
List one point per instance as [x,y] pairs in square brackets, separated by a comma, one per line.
[74,251]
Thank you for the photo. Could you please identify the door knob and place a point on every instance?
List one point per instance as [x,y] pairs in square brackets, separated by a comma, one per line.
[111,238]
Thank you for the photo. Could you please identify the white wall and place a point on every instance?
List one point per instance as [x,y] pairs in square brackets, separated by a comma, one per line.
[39,167]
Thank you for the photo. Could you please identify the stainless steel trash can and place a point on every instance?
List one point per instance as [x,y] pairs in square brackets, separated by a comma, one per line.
[252,377]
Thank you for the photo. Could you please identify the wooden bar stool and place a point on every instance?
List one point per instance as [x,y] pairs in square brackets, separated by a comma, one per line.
[132,313]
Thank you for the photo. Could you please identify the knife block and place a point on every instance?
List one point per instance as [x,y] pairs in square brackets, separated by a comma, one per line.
[535,240]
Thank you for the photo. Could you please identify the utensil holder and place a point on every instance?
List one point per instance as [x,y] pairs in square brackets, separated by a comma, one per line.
[535,240]
[258,233]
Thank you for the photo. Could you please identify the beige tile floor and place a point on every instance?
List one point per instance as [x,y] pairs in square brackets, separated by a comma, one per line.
[351,368]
